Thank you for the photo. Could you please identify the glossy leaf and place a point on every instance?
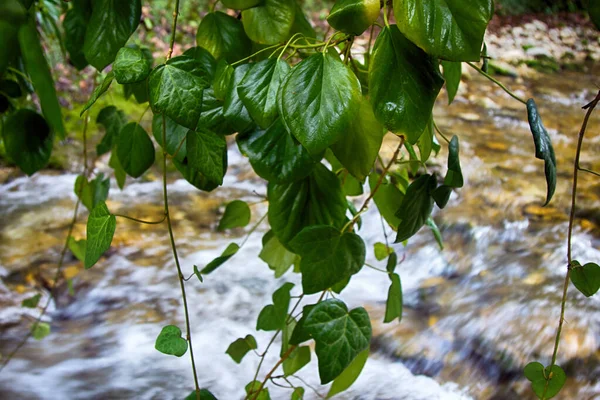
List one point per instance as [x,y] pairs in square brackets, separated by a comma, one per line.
[93,192]
[441,195]
[426,141]
[353,16]
[586,278]
[212,117]
[101,225]
[300,334]
[319,99]
[275,255]
[327,256]
[31,302]
[223,75]
[546,382]
[139,90]
[340,336]
[120,174]
[207,153]
[350,374]
[234,111]
[135,150]
[131,65]
[223,36]
[75,25]
[113,121]
[77,247]
[102,44]
[204,58]
[302,25]
[543,147]
[393,306]
[240,4]
[240,347]
[273,316]
[316,200]
[40,330]
[416,207]
[175,133]
[449,29]
[237,215]
[258,89]
[176,90]
[41,77]
[454,177]
[275,155]
[270,22]
[170,342]
[195,177]
[198,274]
[229,252]
[387,198]
[392,262]
[403,83]
[27,140]
[98,91]
[452,74]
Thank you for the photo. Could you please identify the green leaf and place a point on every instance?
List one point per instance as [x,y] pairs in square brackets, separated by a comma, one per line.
[416,207]
[316,200]
[113,121]
[176,136]
[272,317]
[387,198]
[139,90]
[234,111]
[252,388]
[131,65]
[403,83]
[327,256]
[393,306]
[212,117]
[339,335]
[240,4]
[240,347]
[205,394]
[237,215]
[93,192]
[594,12]
[75,25]
[135,150]
[274,154]
[194,176]
[270,22]
[449,29]
[392,262]
[319,100]
[586,278]
[298,393]
[77,247]
[452,74]
[101,225]
[223,36]
[275,255]
[350,374]
[11,88]
[546,382]
[454,177]
[41,77]
[170,342]
[223,75]
[217,262]
[382,251]
[436,232]
[31,302]
[358,149]
[300,334]
[40,330]
[426,141]
[543,147]
[299,358]
[353,16]
[102,44]
[99,91]
[198,274]
[12,14]
[258,89]
[120,174]
[176,90]
[207,153]
[205,58]
[27,140]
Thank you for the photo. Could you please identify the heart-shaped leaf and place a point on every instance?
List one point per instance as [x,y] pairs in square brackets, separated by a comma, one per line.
[175,133]
[212,116]
[93,192]
[32,301]
[270,22]
[131,65]
[205,58]
[223,36]
[353,16]
[205,394]
[40,330]
[237,215]
[135,150]
[275,255]
[546,382]
[416,207]
[77,247]
[207,153]
[234,111]
[340,336]
[273,316]
[387,198]
[350,374]
[113,121]
[393,306]
[169,341]
[75,25]
[586,278]
[240,347]
[101,225]
[327,256]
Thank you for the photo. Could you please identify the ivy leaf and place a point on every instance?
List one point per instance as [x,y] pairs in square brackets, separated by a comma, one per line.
[170,342]
[350,374]
[452,74]
[543,147]
[240,4]
[537,374]
[393,306]
[176,90]
[198,274]
[37,67]
[586,278]
[237,215]
[31,302]
[258,89]
[403,84]
[131,65]
[234,111]
[387,199]
[426,141]
[217,262]
[275,255]
[416,207]
[113,121]
[298,393]
[274,154]
[176,136]
[300,334]
[327,256]
[270,22]
[194,176]
[353,16]
[382,251]
[316,200]
[205,394]
[299,358]
[302,24]
[120,174]
[319,99]
[223,36]
[212,117]
[101,44]
[454,177]
[101,225]
[139,90]
[251,389]
[223,75]
[207,153]
[392,262]
[449,29]
[77,247]
[339,335]
[99,91]
[40,330]
[135,150]
[75,25]
[12,14]
[436,232]
[272,317]
[359,148]
[204,58]
[28,140]
[240,347]
[93,192]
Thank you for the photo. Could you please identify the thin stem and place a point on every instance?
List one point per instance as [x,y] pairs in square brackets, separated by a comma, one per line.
[288,43]
[348,49]
[284,357]
[308,385]
[482,72]
[255,54]
[173,30]
[440,132]
[251,231]
[385,13]
[370,41]
[588,171]
[142,221]
[376,269]
[142,116]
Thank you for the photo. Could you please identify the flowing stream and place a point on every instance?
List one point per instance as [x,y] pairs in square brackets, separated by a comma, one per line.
[475,313]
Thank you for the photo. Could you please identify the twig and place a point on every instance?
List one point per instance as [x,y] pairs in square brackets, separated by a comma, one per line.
[497,82]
